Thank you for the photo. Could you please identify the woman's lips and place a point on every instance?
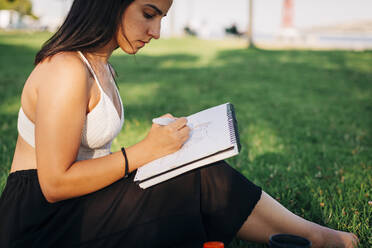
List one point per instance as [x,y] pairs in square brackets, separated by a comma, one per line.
[142,43]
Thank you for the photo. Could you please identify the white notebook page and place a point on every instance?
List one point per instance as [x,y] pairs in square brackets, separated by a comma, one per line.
[209,134]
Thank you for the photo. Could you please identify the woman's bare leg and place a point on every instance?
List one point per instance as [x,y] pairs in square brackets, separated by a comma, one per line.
[270,217]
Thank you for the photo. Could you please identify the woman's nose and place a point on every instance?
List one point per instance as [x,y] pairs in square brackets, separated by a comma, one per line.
[154,30]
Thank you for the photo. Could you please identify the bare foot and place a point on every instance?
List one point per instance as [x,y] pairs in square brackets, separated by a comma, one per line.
[338,239]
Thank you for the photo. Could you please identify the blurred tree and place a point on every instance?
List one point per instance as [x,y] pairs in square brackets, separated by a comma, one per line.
[24,7]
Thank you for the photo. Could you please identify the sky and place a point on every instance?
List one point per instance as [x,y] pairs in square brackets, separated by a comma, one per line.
[214,15]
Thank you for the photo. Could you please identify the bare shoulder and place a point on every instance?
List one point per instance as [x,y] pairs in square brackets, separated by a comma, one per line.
[61,72]
[65,64]
[61,76]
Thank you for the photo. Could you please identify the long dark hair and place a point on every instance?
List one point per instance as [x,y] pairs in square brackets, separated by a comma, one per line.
[89,24]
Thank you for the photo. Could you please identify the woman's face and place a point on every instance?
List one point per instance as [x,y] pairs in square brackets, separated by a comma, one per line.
[141,22]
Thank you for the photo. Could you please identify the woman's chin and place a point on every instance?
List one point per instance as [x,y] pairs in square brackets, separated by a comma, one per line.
[130,50]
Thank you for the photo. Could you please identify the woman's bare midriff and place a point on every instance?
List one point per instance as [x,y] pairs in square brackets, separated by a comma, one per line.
[24,156]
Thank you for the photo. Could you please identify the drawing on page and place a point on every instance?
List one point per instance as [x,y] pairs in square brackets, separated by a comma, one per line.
[198,133]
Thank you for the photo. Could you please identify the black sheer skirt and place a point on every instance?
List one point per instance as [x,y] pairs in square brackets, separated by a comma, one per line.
[210,203]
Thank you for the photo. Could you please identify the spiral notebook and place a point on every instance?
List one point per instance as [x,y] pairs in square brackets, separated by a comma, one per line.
[214,136]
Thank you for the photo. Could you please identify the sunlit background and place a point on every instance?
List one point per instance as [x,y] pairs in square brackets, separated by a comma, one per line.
[303,93]
[303,23]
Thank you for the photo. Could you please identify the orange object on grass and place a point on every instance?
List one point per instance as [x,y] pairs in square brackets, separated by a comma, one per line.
[213,244]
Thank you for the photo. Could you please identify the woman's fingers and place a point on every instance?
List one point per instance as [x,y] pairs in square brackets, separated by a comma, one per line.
[168,115]
[169,138]
[184,133]
[178,124]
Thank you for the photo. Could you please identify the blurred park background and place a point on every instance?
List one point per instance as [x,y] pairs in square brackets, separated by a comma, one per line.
[298,72]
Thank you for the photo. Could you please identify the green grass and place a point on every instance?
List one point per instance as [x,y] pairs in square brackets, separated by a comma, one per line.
[305,117]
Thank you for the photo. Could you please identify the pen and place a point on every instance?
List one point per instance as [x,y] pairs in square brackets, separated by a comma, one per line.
[163,120]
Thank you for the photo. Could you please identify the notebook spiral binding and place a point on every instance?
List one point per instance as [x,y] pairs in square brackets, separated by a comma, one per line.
[233,126]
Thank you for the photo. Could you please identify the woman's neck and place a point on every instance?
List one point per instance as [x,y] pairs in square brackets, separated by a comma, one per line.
[102,55]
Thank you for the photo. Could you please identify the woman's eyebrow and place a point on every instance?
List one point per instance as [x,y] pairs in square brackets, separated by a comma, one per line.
[155,8]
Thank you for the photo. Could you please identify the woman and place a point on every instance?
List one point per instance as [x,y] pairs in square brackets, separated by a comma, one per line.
[66,189]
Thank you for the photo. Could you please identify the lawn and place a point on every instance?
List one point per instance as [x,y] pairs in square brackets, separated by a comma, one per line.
[305,117]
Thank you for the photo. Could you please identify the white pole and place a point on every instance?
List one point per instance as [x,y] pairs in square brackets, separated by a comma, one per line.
[250,24]
[171,21]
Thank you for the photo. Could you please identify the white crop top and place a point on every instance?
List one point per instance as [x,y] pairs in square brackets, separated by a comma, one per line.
[101,126]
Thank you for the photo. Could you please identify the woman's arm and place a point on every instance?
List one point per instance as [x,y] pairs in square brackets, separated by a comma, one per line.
[61,109]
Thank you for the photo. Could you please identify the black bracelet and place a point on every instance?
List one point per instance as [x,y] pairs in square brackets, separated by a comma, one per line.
[126,162]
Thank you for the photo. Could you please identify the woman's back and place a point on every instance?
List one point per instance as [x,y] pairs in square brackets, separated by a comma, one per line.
[104,114]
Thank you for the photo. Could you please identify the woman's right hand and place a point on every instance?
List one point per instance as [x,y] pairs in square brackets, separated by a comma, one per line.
[164,140]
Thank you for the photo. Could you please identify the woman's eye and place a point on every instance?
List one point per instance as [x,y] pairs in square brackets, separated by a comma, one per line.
[147,16]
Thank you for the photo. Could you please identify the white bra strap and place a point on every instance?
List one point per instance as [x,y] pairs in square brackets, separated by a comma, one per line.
[90,69]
